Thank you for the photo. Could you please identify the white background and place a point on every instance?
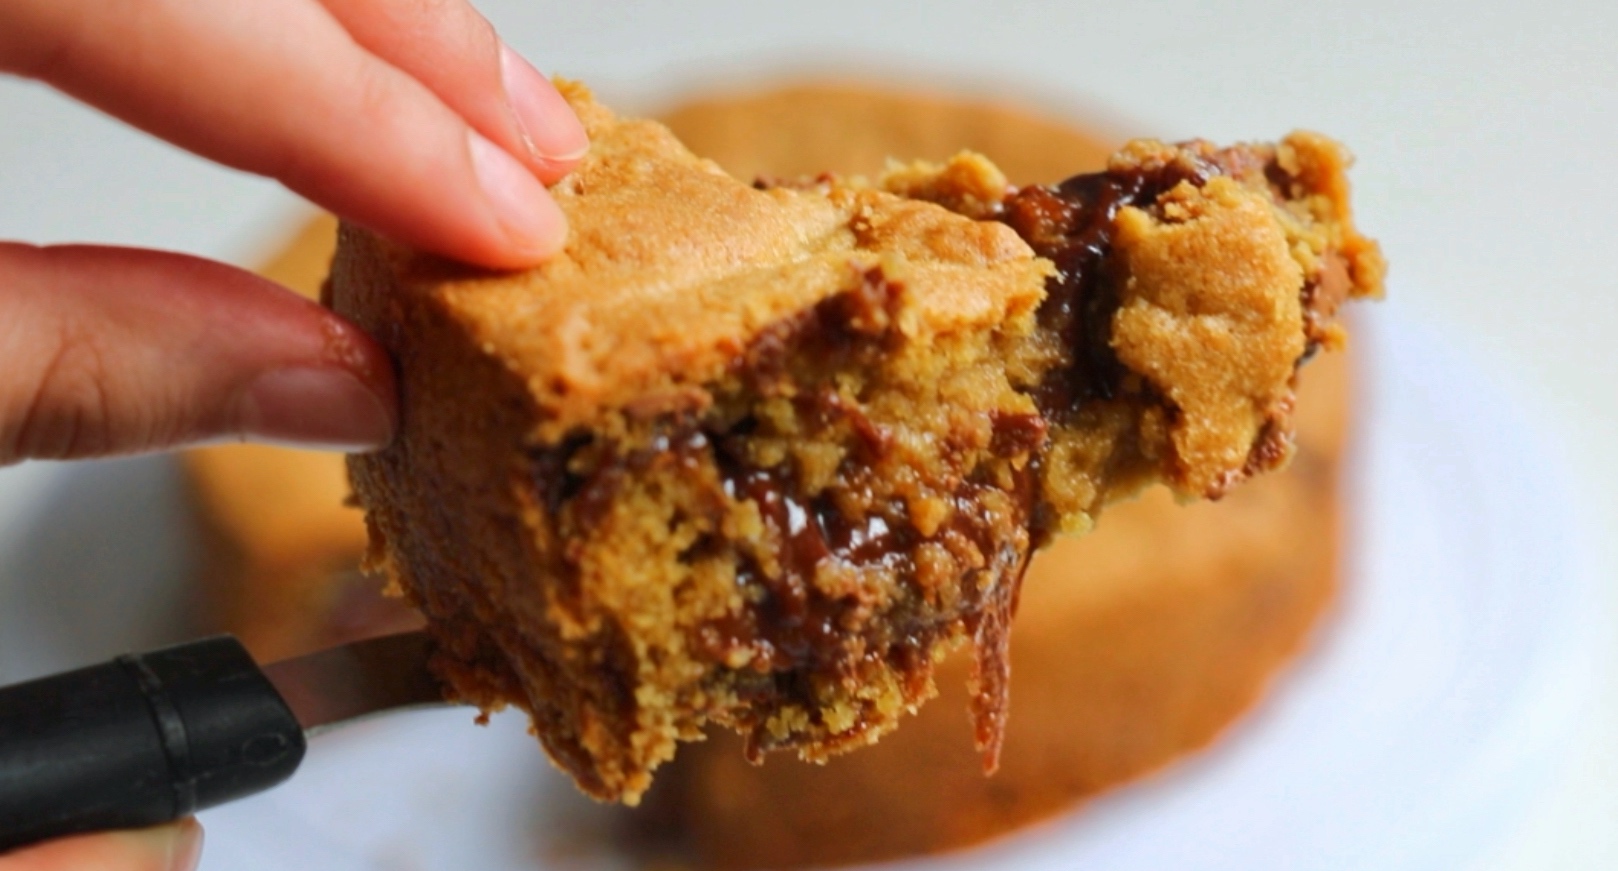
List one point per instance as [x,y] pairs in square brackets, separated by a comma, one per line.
[1485,132]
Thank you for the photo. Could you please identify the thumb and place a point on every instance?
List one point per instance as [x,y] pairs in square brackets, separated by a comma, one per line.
[116,350]
[174,847]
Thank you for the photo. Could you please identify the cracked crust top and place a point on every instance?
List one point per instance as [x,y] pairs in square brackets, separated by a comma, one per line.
[672,267]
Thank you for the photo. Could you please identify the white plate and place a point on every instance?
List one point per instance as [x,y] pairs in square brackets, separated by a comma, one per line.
[1419,728]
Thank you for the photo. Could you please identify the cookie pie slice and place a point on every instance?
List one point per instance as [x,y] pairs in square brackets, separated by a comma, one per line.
[758,455]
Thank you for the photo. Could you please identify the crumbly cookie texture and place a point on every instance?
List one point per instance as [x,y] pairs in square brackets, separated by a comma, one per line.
[759,455]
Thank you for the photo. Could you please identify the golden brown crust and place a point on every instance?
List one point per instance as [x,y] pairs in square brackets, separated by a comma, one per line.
[1201,291]
[758,455]
[658,289]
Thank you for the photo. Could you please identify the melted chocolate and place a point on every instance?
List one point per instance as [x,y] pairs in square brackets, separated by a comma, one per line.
[1017,434]
[1071,224]
[795,629]
[836,333]
[1323,293]
[554,481]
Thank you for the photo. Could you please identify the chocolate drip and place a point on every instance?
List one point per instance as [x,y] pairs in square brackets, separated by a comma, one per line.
[797,626]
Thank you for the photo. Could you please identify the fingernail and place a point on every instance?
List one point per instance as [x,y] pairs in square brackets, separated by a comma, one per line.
[175,847]
[525,210]
[188,847]
[548,123]
[313,407]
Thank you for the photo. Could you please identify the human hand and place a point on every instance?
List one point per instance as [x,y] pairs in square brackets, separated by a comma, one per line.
[174,847]
[409,116]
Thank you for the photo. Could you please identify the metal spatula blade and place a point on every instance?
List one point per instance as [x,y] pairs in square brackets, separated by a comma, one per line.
[356,681]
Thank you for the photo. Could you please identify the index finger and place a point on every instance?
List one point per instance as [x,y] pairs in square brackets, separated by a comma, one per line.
[282,89]
[449,47]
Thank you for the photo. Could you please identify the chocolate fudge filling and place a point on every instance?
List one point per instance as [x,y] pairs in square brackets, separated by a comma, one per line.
[795,633]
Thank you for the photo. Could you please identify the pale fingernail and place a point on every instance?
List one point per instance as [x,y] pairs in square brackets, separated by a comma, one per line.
[531,220]
[314,407]
[174,847]
[188,847]
[547,121]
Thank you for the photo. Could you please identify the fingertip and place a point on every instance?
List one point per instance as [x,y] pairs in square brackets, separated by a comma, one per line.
[532,224]
[172,847]
[122,350]
[551,129]
[314,407]
[188,846]
[551,170]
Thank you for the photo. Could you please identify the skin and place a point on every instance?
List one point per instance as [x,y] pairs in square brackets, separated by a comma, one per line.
[409,116]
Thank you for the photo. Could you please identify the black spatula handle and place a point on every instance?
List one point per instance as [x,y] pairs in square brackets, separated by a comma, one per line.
[141,740]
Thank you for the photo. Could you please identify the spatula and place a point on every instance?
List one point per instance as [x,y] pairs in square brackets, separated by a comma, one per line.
[153,737]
